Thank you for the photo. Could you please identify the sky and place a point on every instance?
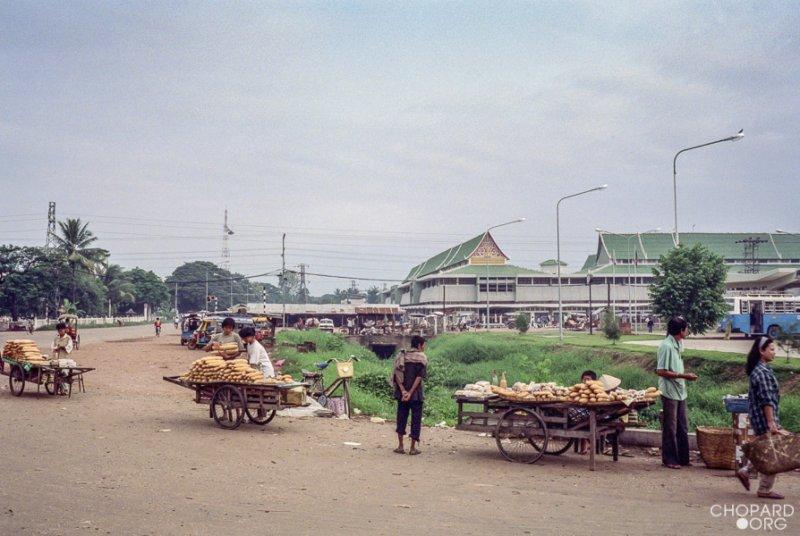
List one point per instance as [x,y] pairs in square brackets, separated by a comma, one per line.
[376,134]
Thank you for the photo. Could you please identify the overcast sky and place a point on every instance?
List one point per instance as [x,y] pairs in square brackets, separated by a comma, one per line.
[376,134]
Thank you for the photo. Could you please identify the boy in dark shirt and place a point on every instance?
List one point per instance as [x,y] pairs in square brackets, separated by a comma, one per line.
[410,369]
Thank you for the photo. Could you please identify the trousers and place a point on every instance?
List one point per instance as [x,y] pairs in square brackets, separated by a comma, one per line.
[674,433]
[403,409]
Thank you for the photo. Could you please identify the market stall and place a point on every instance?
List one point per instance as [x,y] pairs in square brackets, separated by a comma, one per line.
[531,420]
[233,391]
[23,362]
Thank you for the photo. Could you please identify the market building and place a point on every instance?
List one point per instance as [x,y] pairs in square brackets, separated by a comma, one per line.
[475,276]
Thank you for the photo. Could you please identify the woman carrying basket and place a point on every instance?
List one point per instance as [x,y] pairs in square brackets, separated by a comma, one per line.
[764,398]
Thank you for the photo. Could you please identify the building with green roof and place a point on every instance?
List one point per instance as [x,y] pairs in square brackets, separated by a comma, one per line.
[466,276]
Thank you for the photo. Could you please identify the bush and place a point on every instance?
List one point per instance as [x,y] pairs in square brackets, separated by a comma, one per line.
[611,326]
[523,322]
[375,383]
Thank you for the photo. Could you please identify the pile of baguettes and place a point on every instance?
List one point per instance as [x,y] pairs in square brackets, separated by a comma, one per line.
[23,350]
[216,369]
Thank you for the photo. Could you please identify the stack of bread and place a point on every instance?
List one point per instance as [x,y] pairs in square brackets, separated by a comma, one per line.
[225,349]
[279,379]
[478,390]
[594,392]
[23,350]
[533,392]
[215,369]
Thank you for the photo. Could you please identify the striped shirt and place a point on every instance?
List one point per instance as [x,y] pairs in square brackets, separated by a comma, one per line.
[763,392]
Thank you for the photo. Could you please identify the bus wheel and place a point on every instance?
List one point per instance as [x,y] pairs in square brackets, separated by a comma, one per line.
[774,331]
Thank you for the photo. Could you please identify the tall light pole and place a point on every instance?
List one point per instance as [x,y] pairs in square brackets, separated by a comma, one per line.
[738,136]
[558,254]
[518,220]
[628,240]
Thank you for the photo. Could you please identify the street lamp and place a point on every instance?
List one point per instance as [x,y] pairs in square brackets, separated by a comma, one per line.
[558,255]
[518,220]
[628,240]
[739,135]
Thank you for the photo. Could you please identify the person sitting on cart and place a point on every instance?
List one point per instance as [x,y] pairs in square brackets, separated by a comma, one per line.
[227,336]
[62,344]
[579,415]
[62,347]
[257,355]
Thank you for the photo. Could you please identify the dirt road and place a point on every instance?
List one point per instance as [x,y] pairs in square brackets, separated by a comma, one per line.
[136,456]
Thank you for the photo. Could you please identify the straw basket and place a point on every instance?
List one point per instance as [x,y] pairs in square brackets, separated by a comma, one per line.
[717,447]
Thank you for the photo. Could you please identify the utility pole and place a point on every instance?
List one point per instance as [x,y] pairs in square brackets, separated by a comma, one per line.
[303,290]
[51,225]
[283,280]
[591,316]
[750,253]
[176,297]
[207,287]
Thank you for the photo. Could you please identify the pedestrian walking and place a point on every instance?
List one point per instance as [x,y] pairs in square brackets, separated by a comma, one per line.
[409,371]
[672,383]
[764,398]
[650,324]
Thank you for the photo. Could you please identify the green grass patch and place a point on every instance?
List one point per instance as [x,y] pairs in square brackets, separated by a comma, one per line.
[457,359]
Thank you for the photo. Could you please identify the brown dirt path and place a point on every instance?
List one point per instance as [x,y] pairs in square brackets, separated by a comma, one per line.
[101,463]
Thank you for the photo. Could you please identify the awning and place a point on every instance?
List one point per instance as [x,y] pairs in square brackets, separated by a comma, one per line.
[377,311]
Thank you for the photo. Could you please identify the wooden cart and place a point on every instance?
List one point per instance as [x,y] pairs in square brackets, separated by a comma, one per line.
[526,431]
[46,373]
[229,403]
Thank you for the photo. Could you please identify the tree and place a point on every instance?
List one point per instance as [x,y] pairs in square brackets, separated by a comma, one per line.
[148,289]
[690,282]
[119,288]
[74,245]
[789,339]
[191,279]
[373,294]
[523,322]
[611,326]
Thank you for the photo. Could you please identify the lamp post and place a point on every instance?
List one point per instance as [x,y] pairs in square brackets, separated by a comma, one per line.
[558,255]
[628,240]
[739,135]
[518,220]
[591,316]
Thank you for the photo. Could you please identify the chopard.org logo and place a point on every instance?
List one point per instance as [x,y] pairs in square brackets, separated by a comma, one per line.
[760,517]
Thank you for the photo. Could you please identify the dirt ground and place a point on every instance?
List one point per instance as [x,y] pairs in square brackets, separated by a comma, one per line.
[135,455]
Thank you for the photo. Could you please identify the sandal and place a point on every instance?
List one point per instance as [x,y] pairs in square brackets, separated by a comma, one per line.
[414,452]
[398,450]
[771,495]
[672,466]
[744,478]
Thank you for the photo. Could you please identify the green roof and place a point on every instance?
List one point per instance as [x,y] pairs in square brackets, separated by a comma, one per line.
[446,258]
[647,269]
[590,261]
[552,262]
[495,270]
[653,245]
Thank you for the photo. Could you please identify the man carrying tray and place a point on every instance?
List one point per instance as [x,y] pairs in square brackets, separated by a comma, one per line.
[226,337]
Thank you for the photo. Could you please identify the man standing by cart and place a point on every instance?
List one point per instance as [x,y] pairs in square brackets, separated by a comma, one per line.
[257,355]
[62,347]
[672,383]
[227,336]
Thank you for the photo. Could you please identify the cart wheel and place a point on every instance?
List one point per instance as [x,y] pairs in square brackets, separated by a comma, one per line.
[16,380]
[516,432]
[322,400]
[49,384]
[227,407]
[260,416]
[556,446]
[77,342]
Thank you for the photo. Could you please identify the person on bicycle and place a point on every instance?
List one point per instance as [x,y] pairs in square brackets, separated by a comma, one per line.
[157,325]
[408,373]
[257,355]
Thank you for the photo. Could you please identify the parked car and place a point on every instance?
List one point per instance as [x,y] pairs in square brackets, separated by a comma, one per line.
[326,324]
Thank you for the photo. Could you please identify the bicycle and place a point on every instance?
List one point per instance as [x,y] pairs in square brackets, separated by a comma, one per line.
[316,380]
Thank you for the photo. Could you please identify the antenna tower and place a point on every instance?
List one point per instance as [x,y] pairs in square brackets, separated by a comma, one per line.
[51,226]
[751,253]
[226,253]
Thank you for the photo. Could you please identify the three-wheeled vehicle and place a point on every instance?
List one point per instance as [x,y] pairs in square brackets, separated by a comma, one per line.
[189,323]
[72,328]
[202,335]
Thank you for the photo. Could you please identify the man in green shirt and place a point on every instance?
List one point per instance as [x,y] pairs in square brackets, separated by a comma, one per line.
[672,384]
[227,336]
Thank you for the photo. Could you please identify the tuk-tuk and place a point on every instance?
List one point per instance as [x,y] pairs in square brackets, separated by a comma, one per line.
[72,328]
[202,335]
[189,323]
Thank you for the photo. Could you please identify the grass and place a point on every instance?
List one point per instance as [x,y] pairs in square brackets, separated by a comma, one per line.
[457,359]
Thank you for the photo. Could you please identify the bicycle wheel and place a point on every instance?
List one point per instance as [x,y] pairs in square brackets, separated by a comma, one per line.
[517,432]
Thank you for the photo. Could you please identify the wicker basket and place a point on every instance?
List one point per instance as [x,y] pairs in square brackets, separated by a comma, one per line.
[717,447]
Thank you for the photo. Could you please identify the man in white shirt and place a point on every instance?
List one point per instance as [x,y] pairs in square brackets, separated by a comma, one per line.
[256,354]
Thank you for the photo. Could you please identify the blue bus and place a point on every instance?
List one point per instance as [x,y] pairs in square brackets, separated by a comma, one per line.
[756,315]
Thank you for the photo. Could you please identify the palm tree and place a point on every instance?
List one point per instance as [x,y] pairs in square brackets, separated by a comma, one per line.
[74,247]
[118,287]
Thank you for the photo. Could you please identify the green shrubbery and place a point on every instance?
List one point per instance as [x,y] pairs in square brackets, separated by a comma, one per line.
[455,360]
